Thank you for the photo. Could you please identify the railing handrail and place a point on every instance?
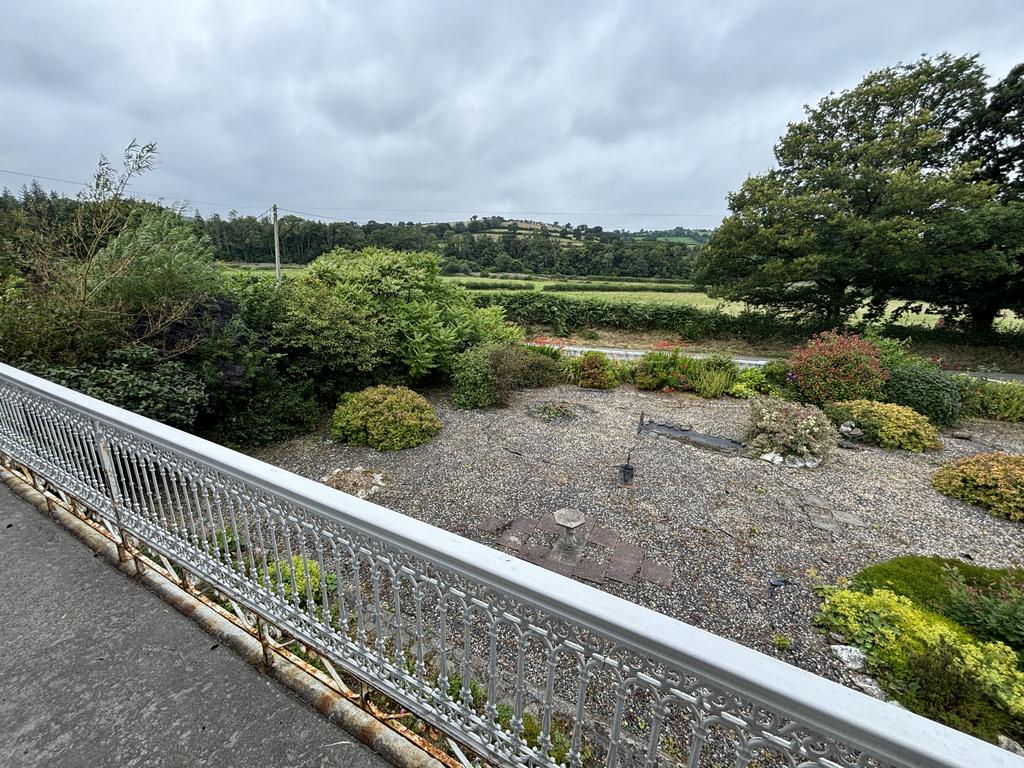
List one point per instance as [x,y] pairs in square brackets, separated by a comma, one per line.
[884,731]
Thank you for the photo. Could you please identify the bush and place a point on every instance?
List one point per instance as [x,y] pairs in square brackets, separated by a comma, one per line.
[520,367]
[711,382]
[779,426]
[662,370]
[385,418]
[992,612]
[486,375]
[476,386]
[776,372]
[837,366]
[992,481]
[593,370]
[939,687]
[134,379]
[895,635]
[930,581]
[751,382]
[928,391]
[306,573]
[886,424]
[983,399]
[895,353]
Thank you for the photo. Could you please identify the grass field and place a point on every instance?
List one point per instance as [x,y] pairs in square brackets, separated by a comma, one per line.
[693,298]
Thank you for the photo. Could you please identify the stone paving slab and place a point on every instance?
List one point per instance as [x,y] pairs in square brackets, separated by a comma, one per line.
[618,560]
[96,670]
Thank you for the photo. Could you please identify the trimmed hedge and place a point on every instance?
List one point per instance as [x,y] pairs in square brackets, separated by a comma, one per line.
[621,287]
[566,314]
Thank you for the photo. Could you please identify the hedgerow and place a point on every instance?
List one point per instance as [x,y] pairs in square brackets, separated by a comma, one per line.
[566,314]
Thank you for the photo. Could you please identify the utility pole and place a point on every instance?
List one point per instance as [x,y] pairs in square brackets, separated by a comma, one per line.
[277,248]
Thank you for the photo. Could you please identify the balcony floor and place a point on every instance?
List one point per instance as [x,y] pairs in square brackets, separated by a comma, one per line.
[96,670]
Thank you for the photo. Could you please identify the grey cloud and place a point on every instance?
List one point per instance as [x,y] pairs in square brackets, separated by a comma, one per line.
[535,106]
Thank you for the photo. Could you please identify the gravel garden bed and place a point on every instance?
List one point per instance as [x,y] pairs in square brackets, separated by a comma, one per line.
[730,544]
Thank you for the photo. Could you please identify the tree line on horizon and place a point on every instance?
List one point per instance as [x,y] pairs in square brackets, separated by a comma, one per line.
[481,244]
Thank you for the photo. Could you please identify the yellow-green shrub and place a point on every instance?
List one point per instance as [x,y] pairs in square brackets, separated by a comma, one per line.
[385,418]
[992,481]
[887,425]
[892,631]
[285,569]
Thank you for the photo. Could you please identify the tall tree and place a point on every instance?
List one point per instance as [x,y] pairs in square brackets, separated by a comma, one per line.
[866,202]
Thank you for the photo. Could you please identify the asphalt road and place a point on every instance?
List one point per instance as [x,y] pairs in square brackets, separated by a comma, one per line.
[96,670]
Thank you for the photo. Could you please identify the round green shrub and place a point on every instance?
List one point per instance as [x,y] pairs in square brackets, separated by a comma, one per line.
[385,418]
[927,391]
[751,382]
[992,481]
[837,366]
[592,370]
[886,424]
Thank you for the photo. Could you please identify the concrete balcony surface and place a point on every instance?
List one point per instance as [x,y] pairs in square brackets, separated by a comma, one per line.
[95,670]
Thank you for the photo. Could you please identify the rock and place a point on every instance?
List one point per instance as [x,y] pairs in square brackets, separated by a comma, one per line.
[852,658]
[849,445]
[815,503]
[837,638]
[802,461]
[1010,745]
[823,523]
[959,435]
[869,685]
[850,429]
[848,518]
[773,458]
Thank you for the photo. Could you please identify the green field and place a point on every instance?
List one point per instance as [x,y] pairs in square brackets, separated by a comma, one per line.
[693,298]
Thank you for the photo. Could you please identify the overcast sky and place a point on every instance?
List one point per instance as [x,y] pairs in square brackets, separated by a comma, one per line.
[567,111]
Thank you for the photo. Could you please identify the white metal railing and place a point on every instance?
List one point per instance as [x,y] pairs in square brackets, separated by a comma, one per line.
[522,665]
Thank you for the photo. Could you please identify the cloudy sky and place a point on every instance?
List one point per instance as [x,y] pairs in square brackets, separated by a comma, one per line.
[590,112]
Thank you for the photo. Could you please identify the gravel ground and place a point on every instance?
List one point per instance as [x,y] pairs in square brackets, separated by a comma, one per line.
[726,525]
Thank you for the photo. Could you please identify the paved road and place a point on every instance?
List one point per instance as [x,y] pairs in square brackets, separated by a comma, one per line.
[96,671]
[620,353]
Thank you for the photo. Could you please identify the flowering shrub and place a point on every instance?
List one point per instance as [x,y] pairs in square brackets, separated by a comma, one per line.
[779,426]
[992,481]
[593,370]
[887,425]
[385,418]
[837,366]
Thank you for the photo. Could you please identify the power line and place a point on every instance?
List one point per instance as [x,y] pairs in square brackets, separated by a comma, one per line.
[310,212]
[500,213]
